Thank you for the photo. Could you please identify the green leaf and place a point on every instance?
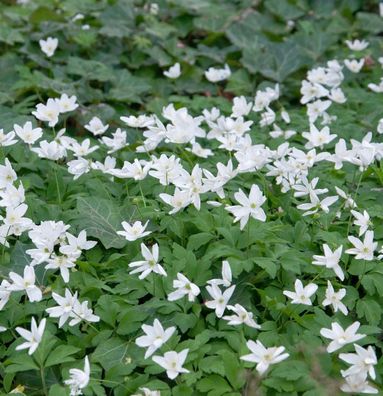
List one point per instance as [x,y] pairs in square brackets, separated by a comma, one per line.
[61,354]
[110,353]
[20,362]
[370,309]
[198,240]
[233,370]
[101,219]
[57,390]
[128,87]
[89,69]
[213,385]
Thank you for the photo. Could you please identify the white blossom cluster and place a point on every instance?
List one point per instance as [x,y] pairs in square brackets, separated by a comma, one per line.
[58,250]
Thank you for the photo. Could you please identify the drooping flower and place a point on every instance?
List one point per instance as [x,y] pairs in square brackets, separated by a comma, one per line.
[78,379]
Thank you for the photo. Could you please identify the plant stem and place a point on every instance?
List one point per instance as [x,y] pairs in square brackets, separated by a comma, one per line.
[57,184]
[42,376]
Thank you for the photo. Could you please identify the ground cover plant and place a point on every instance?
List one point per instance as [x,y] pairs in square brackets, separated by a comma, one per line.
[191,197]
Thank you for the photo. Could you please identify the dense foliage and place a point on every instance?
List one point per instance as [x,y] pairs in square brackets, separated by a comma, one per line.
[215,217]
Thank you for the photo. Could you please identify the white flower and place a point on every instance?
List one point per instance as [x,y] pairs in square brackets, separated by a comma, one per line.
[267,117]
[350,203]
[75,245]
[337,95]
[49,46]
[311,91]
[184,288]
[378,88]
[334,298]
[301,295]
[226,276]
[304,187]
[179,200]
[12,196]
[316,204]
[317,109]
[330,260]
[117,142]
[363,361]
[48,113]
[341,337]
[357,45]
[83,149]
[142,121]
[26,283]
[96,126]
[27,133]
[215,75]
[155,336]
[249,206]
[134,231]
[318,138]
[32,337]
[363,250]
[79,167]
[63,263]
[379,127]
[341,154]
[220,300]
[53,150]
[241,316]
[353,65]
[80,311]
[150,264]
[79,379]
[240,107]
[14,216]
[361,220]
[172,362]
[7,139]
[64,308]
[148,392]
[5,293]
[137,170]
[199,151]
[7,174]
[67,104]
[263,356]
[174,71]
[357,384]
